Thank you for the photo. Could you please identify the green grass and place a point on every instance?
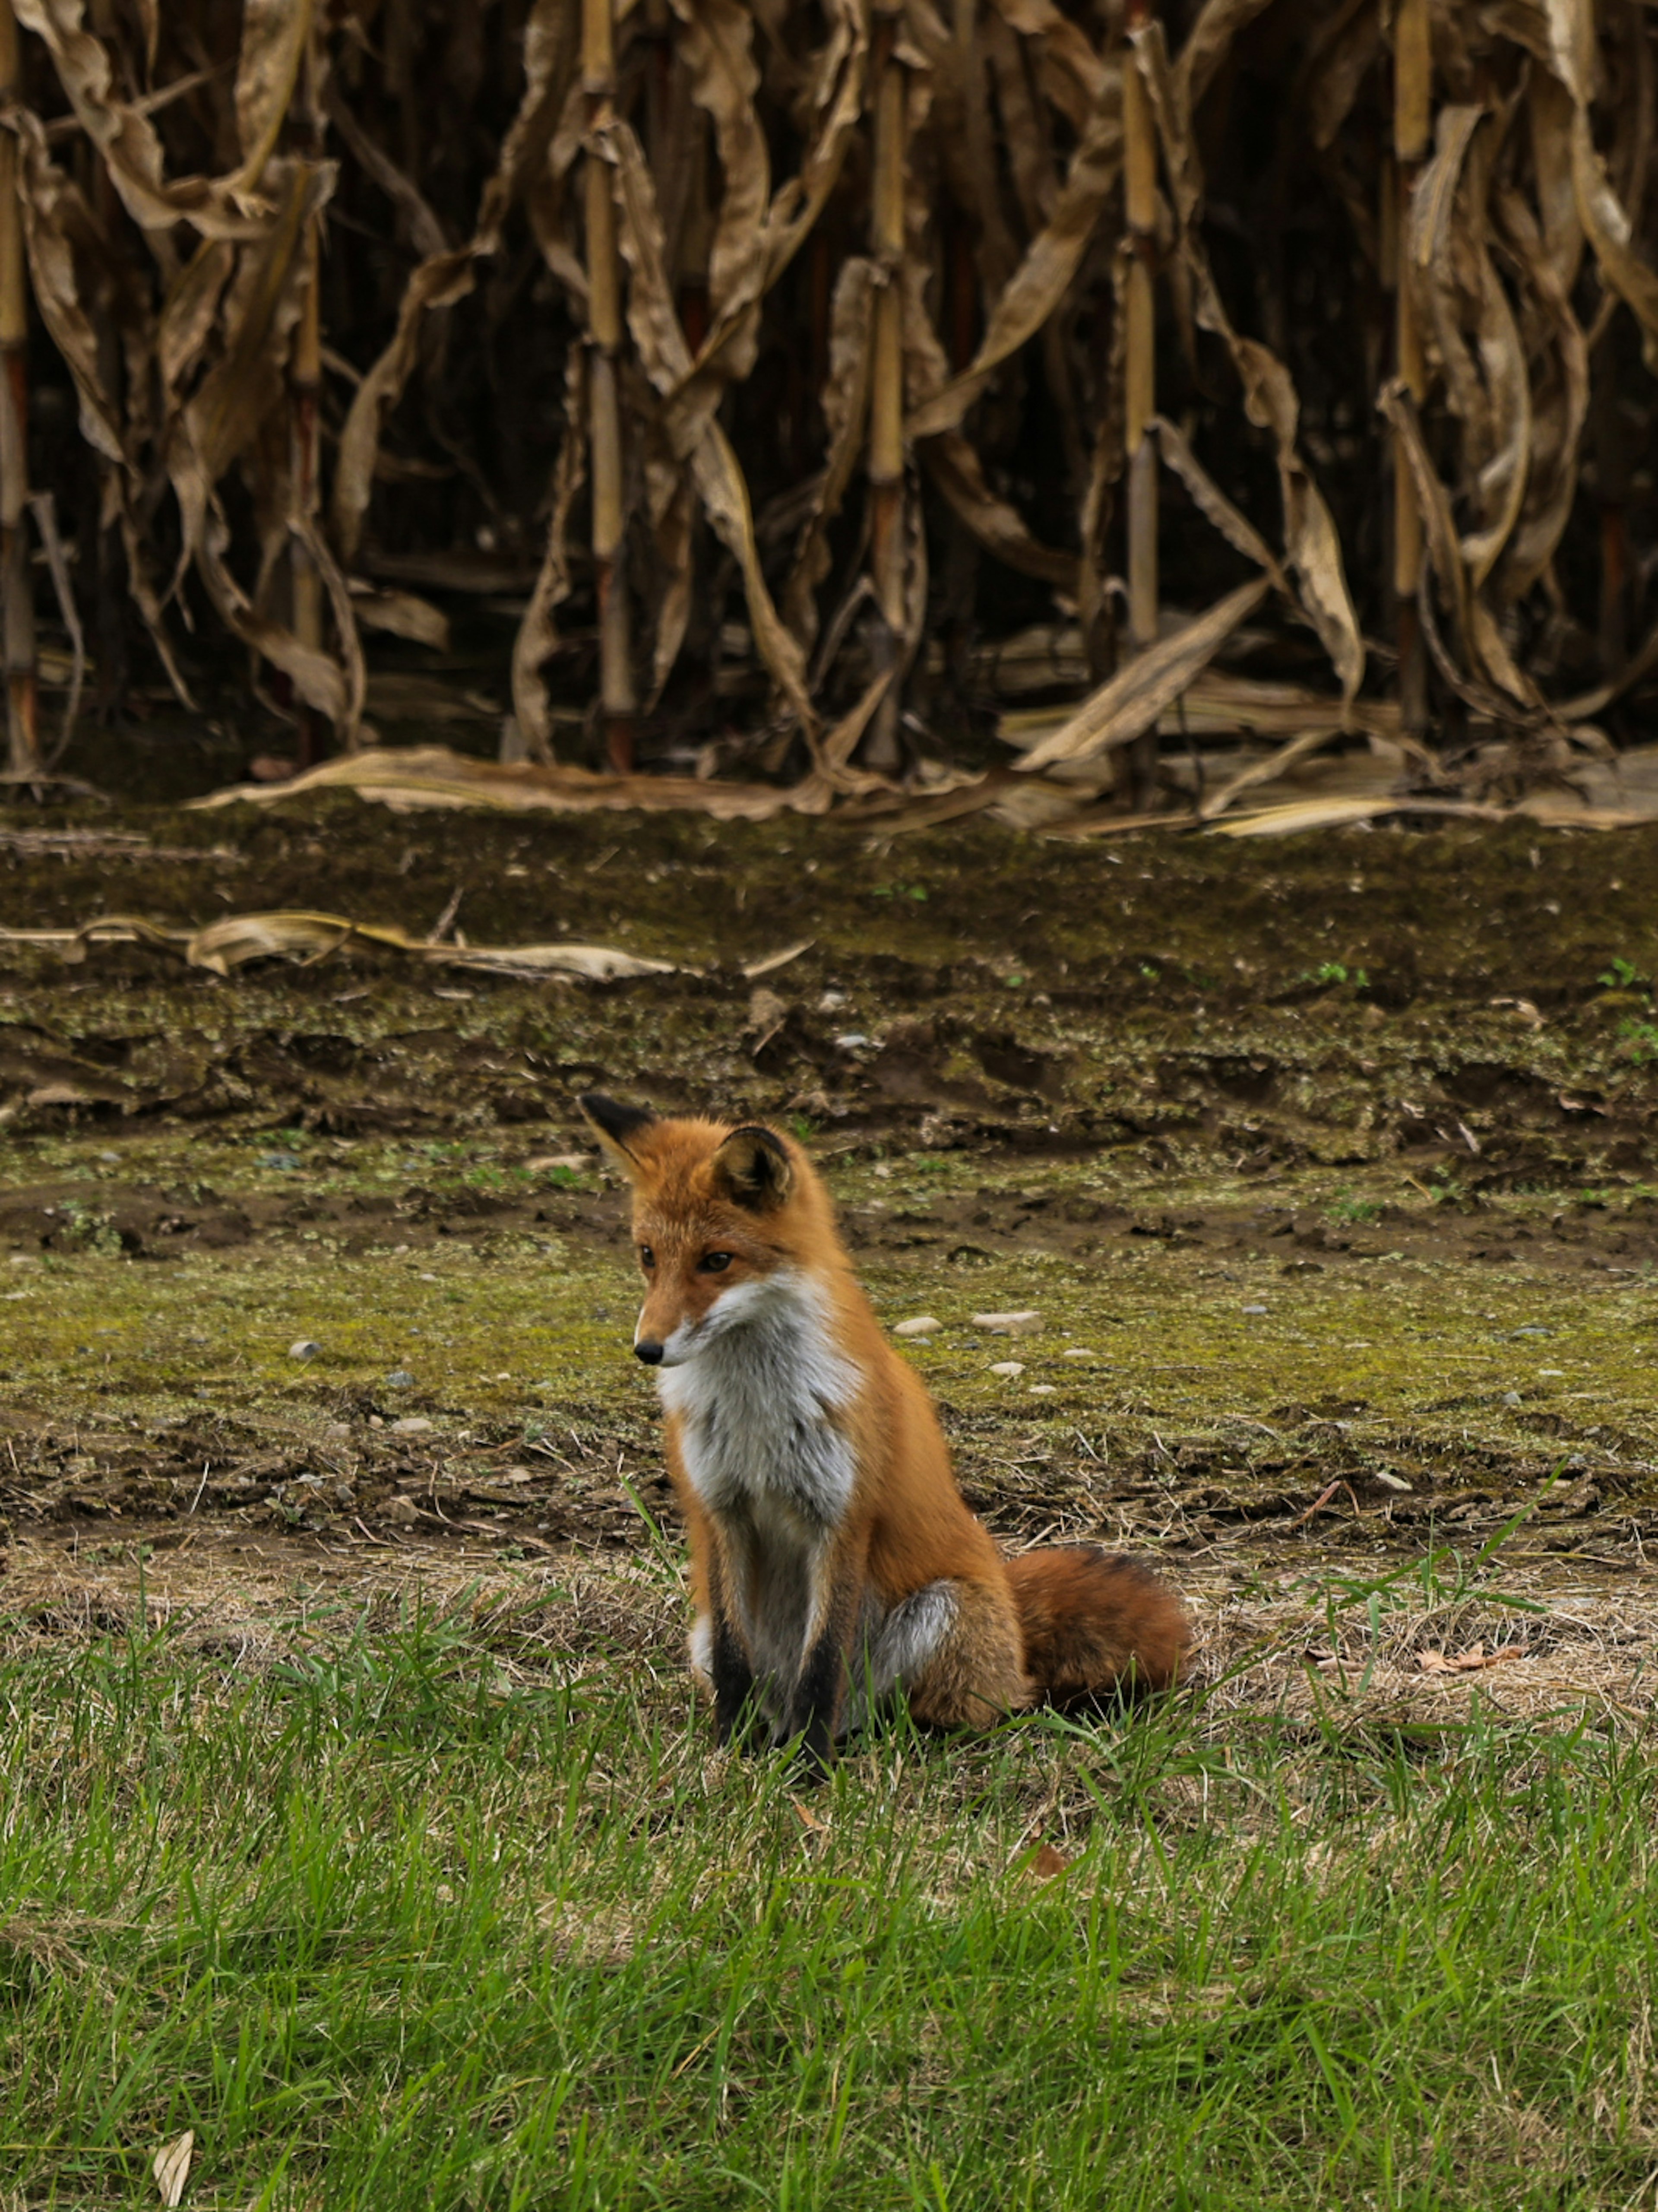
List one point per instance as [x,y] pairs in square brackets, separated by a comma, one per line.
[423,1911]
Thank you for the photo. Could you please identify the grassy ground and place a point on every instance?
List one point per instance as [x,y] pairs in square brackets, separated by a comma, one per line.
[356,1815]
[428,1912]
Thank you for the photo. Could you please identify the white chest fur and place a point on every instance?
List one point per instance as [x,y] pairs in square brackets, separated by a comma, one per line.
[757,1399]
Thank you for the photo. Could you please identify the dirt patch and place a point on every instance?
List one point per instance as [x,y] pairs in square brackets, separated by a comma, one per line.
[1327,1165]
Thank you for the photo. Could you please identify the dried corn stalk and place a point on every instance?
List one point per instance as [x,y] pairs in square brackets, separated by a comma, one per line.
[736,348]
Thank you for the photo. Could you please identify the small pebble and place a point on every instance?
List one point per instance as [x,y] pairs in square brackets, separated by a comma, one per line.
[1008,1367]
[400,1509]
[1024,1323]
[1552,1374]
[399,1379]
[1510,1397]
[923,1325]
[1255,1309]
[376,1422]
[849,1040]
[1391,1481]
[1044,1389]
[278,1160]
[1534,1328]
[1077,1351]
[412,1425]
[305,1347]
[113,1158]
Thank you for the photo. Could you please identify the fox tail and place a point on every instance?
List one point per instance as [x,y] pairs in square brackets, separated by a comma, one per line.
[1097,1626]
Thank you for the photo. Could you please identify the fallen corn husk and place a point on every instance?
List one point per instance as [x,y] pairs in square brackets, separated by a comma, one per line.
[238,939]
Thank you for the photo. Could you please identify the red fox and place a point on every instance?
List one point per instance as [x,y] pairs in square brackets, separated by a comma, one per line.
[834,1561]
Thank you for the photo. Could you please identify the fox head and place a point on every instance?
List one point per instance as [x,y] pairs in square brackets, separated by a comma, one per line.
[718,1214]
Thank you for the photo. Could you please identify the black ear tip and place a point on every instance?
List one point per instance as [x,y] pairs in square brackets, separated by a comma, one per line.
[611,1117]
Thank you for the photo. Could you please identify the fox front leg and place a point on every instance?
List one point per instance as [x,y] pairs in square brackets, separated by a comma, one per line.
[813,1720]
[728,1666]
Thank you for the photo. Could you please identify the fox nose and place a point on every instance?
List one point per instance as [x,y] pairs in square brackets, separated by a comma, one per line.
[649,1351]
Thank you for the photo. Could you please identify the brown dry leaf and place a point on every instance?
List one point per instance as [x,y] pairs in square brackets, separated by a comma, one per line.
[1268,770]
[955,468]
[1296,815]
[170,2166]
[813,1823]
[1469,1662]
[400,614]
[1045,1863]
[846,408]
[694,435]
[443,278]
[60,1094]
[538,633]
[1132,701]
[426,232]
[274,34]
[237,938]
[433,776]
[125,137]
[1571,51]
[752,969]
[1236,527]
[1207,43]
[438,283]
[1050,262]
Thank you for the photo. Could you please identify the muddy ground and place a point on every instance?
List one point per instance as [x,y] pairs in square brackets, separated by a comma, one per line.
[1327,1165]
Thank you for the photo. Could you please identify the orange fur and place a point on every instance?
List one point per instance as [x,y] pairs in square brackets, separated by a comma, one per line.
[827,1531]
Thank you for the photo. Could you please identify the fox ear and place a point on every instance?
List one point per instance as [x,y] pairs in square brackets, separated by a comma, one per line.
[615,1126]
[752,1169]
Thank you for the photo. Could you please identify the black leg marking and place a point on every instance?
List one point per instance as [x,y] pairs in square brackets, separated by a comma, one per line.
[728,1663]
[820,1689]
[733,1681]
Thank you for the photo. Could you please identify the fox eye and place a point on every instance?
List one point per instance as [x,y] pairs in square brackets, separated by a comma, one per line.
[715,1263]
[647,1257]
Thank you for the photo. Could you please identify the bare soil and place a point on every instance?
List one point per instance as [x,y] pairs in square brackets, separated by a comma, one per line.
[1328,1165]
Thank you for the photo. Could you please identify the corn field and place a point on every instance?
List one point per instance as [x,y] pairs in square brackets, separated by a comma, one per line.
[821,391]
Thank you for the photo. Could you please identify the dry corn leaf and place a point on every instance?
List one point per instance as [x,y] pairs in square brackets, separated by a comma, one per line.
[1297,816]
[236,940]
[432,776]
[1132,701]
[772,961]
[1535,120]
[1050,263]
[400,614]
